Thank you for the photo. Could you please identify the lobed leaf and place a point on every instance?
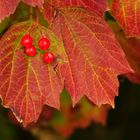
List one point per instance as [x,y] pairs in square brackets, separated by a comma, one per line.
[94,58]
[27,83]
[127,13]
[88,61]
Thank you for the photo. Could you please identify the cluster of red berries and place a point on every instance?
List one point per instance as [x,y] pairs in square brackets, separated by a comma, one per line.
[31,50]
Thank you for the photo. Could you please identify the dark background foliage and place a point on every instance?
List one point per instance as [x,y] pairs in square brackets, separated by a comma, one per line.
[123,122]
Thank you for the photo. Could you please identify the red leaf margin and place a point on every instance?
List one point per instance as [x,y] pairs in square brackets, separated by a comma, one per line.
[8,7]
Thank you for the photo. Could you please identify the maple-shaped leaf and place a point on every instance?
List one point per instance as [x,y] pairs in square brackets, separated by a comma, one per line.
[8,7]
[95,6]
[27,83]
[93,57]
[127,13]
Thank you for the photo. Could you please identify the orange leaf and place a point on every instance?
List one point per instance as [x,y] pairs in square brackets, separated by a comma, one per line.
[127,13]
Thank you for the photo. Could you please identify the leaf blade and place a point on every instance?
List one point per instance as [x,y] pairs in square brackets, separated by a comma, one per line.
[87,42]
[93,6]
[26,83]
[127,14]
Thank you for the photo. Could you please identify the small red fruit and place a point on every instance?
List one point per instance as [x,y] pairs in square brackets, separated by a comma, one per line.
[44,43]
[26,40]
[48,57]
[30,51]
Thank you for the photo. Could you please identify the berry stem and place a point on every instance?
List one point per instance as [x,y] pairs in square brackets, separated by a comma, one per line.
[37,21]
[54,14]
[31,13]
[40,28]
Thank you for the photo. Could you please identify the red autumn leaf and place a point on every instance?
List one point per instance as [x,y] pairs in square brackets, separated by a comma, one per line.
[8,7]
[127,13]
[89,62]
[131,47]
[34,3]
[93,57]
[27,83]
[95,6]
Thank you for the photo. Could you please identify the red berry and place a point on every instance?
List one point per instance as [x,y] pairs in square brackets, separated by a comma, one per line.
[26,40]
[44,43]
[48,57]
[30,51]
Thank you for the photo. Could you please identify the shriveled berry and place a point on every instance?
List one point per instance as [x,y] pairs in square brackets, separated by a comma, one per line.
[44,43]
[30,51]
[48,57]
[26,40]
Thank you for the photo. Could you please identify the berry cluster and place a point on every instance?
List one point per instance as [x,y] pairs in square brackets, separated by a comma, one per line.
[31,50]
